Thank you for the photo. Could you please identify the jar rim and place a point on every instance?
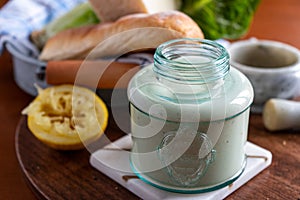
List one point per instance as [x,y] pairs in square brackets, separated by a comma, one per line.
[223,51]
[213,62]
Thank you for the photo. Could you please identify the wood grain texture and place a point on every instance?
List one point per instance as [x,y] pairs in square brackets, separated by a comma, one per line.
[68,175]
[282,179]
[12,101]
[63,174]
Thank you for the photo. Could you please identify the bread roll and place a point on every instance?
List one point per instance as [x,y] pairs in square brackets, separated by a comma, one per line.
[111,10]
[134,32]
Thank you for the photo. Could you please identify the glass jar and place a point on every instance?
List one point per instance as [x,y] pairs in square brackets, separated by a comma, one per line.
[189,118]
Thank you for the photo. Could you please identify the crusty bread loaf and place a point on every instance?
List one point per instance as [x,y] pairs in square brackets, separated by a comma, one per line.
[111,10]
[134,32]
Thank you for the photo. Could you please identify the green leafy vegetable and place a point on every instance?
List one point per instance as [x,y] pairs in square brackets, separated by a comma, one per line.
[80,15]
[229,19]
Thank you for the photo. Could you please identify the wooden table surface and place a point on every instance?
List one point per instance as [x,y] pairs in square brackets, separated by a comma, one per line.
[275,19]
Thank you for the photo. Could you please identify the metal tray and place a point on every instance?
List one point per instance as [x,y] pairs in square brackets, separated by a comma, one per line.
[27,70]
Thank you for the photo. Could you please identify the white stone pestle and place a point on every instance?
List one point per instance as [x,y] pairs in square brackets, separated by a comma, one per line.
[281,114]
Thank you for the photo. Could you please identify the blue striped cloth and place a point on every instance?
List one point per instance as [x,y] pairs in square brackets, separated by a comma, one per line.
[18,18]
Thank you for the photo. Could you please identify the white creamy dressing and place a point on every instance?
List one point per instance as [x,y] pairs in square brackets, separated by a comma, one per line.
[148,91]
[219,111]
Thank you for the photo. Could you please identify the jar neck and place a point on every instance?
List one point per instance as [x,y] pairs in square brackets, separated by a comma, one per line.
[191,61]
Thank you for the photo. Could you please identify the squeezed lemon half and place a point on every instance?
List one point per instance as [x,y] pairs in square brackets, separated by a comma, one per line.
[67,117]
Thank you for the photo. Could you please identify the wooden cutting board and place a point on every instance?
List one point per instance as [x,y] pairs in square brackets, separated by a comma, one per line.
[56,174]
[68,175]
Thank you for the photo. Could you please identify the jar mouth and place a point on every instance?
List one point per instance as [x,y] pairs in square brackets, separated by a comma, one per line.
[191,60]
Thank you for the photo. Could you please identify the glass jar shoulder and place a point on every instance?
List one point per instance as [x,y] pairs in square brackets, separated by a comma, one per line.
[239,91]
[232,95]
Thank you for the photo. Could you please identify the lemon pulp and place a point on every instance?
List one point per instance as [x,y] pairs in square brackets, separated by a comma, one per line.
[67,117]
